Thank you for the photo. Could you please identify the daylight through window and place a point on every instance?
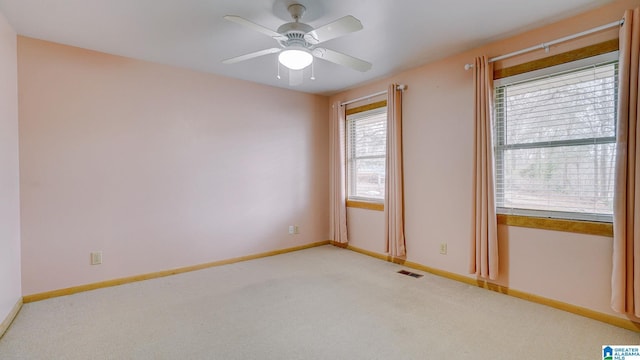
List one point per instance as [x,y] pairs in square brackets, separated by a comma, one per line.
[366,152]
[555,143]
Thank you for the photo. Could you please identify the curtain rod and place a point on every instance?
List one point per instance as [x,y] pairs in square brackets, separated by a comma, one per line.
[400,87]
[546,45]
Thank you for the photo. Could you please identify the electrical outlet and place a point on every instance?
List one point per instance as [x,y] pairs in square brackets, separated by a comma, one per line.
[96,258]
[443,248]
[294,229]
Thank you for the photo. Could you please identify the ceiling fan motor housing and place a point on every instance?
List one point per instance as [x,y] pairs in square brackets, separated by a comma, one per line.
[295,32]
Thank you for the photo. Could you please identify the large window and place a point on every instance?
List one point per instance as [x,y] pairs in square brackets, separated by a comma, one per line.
[366,152]
[555,141]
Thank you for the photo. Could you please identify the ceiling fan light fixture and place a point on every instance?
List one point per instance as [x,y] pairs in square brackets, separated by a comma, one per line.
[296,58]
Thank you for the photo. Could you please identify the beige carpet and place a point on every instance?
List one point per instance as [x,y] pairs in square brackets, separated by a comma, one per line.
[320,303]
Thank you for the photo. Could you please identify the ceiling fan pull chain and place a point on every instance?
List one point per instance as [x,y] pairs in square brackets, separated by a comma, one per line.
[313,73]
[278,65]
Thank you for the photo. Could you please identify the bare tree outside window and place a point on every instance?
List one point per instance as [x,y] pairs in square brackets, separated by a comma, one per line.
[366,152]
[555,143]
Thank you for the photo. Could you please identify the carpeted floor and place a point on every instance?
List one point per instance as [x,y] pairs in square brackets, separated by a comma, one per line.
[320,303]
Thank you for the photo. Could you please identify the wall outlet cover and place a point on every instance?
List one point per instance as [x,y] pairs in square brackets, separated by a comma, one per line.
[96,258]
[443,248]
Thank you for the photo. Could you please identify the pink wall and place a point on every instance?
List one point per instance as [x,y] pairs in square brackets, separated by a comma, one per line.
[438,140]
[366,229]
[159,167]
[10,290]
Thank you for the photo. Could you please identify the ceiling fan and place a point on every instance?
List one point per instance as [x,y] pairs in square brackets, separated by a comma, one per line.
[298,43]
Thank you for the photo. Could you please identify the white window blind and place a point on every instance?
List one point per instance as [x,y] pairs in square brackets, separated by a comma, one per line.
[555,144]
[366,152]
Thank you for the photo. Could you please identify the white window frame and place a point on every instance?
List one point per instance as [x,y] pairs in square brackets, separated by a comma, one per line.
[499,145]
[351,155]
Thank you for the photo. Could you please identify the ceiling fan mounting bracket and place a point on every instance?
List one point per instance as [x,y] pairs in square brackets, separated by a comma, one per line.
[296,11]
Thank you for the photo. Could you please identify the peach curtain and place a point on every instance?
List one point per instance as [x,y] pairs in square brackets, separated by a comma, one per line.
[625,281]
[394,192]
[484,243]
[337,171]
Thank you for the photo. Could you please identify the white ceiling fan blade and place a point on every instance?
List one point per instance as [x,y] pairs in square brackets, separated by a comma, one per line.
[251,55]
[340,27]
[254,26]
[342,59]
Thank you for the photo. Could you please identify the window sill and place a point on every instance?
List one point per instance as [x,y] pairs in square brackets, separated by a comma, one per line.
[365,205]
[574,226]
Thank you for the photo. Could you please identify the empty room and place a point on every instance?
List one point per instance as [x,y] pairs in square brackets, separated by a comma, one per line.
[306,179]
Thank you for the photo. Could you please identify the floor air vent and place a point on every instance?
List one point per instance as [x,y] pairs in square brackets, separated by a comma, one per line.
[409,273]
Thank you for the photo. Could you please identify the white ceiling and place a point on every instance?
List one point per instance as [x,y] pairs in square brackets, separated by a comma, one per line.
[397,34]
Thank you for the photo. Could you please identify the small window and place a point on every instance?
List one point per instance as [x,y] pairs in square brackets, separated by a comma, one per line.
[555,141]
[366,152]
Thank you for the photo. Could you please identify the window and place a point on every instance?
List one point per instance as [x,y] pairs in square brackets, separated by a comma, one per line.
[555,141]
[366,152]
